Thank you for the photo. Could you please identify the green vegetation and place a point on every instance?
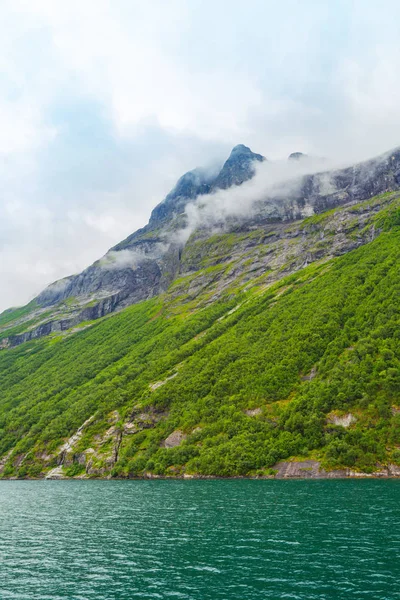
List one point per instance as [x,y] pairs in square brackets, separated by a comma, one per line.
[211,251]
[247,380]
[12,314]
[25,325]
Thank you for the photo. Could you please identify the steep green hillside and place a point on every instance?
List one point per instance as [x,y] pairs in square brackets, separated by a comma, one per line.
[221,380]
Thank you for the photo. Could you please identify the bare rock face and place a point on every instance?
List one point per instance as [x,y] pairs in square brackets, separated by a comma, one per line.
[238,168]
[114,282]
[194,183]
[297,156]
[253,412]
[146,263]
[359,182]
[393,470]
[311,469]
[310,375]
[174,439]
[158,384]
[56,473]
[306,469]
[343,420]
[4,459]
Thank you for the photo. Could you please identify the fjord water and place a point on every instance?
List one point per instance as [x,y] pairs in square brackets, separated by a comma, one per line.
[219,539]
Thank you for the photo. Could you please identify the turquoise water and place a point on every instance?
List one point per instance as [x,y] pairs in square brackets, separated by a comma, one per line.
[200,540]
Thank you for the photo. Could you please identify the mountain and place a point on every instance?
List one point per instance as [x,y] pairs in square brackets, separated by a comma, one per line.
[262,344]
[237,169]
[139,267]
[147,262]
[297,156]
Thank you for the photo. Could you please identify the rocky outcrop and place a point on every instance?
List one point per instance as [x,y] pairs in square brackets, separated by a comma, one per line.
[311,469]
[174,439]
[192,184]
[144,265]
[306,469]
[72,441]
[4,459]
[310,375]
[353,184]
[95,311]
[341,420]
[99,459]
[95,461]
[147,262]
[157,384]
[56,473]
[297,156]
[239,167]
[253,412]
[273,251]
[113,282]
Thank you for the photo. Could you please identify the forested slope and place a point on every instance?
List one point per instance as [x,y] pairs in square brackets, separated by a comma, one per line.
[226,383]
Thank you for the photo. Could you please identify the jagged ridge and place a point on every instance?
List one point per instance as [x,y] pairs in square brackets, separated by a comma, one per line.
[156,249]
[252,357]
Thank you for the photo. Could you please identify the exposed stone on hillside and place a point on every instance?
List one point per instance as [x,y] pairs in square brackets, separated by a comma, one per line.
[157,384]
[311,469]
[239,167]
[192,184]
[174,439]
[264,255]
[306,469]
[72,441]
[144,264]
[147,262]
[253,412]
[56,473]
[297,156]
[310,375]
[341,420]
[4,459]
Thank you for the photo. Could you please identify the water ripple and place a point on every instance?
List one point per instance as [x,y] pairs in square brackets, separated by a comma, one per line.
[200,540]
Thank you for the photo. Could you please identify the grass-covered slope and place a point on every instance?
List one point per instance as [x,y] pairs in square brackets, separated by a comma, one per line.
[259,375]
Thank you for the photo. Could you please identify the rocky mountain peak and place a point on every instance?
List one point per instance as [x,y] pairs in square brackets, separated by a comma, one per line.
[297,156]
[152,256]
[243,150]
[238,168]
[189,186]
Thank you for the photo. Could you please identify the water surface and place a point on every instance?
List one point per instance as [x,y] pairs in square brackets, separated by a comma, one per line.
[200,540]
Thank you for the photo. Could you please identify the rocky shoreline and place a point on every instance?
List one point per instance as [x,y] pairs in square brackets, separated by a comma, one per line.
[311,469]
[307,469]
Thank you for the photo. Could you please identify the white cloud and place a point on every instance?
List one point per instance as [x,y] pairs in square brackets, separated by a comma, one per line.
[124,58]
[271,180]
[105,103]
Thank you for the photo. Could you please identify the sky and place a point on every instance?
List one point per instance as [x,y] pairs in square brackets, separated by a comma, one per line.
[104,104]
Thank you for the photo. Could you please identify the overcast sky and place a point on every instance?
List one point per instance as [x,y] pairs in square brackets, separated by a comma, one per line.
[104,104]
